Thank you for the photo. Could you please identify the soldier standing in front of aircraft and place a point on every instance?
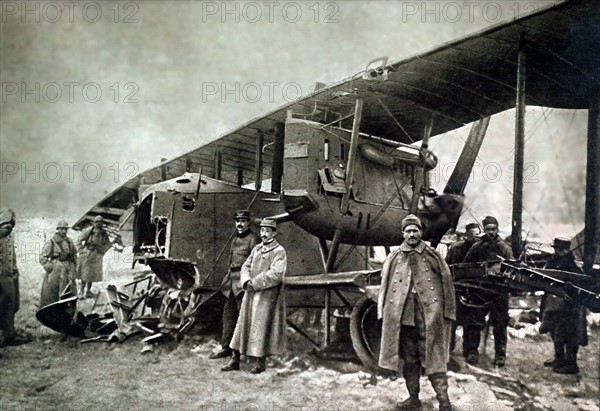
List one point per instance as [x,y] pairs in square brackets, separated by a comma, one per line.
[58,257]
[241,247]
[563,319]
[488,249]
[456,254]
[260,330]
[92,244]
[416,303]
[9,281]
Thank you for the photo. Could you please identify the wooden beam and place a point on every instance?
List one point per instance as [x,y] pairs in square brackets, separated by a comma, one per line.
[420,168]
[258,162]
[517,210]
[277,163]
[352,156]
[218,164]
[591,244]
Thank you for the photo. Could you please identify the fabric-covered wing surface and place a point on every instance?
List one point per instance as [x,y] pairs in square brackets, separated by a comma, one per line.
[457,83]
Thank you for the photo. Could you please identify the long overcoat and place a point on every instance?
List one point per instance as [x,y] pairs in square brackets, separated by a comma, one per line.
[566,320]
[436,292]
[260,330]
[92,245]
[58,259]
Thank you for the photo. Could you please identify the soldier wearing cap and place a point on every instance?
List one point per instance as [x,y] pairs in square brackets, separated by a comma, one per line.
[92,244]
[456,255]
[564,320]
[416,303]
[488,249]
[58,257]
[260,330]
[9,281]
[241,246]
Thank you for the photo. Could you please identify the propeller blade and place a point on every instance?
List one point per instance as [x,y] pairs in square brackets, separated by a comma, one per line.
[460,175]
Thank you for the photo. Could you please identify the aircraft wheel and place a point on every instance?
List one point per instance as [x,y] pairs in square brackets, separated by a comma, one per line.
[365,331]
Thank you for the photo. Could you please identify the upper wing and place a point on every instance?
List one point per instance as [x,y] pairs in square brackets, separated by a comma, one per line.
[458,83]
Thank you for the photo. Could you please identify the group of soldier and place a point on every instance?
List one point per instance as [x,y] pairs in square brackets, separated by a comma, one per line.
[564,320]
[65,264]
[416,302]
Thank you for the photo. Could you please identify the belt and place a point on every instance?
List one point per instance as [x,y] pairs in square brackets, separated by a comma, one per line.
[60,259]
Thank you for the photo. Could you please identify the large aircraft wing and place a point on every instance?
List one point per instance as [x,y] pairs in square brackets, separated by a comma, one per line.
[458,83]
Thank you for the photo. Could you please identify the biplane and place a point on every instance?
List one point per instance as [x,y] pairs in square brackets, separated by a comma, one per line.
[339,168]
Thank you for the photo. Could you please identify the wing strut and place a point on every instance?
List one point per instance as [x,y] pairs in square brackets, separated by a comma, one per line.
[352,155]
[420,168]
[592,189]
[517,211]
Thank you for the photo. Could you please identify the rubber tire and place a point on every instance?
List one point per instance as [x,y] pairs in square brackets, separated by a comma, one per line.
[365,332]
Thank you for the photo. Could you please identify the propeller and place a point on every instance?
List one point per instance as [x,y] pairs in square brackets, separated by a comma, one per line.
[460,175]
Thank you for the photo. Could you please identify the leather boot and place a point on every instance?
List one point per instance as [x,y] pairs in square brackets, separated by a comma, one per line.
[259,365]
[570,364]
[224,352]
[471,338]
[500,339]
[439,381]
[412,376]
[559,356]
[234,363]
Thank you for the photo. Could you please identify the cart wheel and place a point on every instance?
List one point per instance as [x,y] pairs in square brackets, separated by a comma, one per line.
[365,331]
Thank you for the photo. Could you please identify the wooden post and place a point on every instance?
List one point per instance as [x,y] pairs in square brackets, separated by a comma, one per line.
[352,156]
[517,211]
[258,165]
[218,164]
[419,172]
[277,161]
[591,244]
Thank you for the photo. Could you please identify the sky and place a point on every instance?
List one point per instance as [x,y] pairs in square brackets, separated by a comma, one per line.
[94,92]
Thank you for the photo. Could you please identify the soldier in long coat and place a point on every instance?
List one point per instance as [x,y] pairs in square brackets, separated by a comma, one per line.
[241,247]
[58,257]
[488,249]
[416,303]
[260,330]
[92,244]
[9,280]
[564,320]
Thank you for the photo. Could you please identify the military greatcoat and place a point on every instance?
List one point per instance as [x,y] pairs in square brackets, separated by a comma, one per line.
[432,280]
[92,245]
[58,259]
[260,330]
[565,320]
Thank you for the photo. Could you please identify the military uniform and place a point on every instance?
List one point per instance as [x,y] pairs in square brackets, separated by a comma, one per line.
[485,250]
[58,257]
[456,255]
[416,304]
[564,320]
[241,247]
[92,244]
[9,281]
[261,326]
